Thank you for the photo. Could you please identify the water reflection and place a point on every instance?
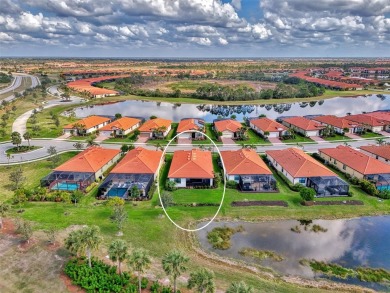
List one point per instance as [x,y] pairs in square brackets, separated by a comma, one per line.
[175,112]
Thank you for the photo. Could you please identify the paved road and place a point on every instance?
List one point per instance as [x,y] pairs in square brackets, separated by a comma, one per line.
[17,83]
[65,145]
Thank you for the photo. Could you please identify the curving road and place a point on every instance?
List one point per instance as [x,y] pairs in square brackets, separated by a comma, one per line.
[16,83]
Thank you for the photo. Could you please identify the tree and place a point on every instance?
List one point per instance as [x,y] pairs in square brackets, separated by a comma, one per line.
[118,115]
[119,217]
[174,264]
[266,134]
[78,145]
[25,229]
[4,209]
[239,287]
[202,280]
[139,261]
[167,199]
[17,178]
[76,195]
[9,156]
[170,185]
[152,117]
[307,193]
[91,141]
[135,192]
[19,198]
[124,148]
[54,157]
[16,139]
[380,141]
[86,239]
[117,252]
[27,136]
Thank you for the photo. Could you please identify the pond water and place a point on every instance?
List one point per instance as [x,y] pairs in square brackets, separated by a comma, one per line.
[176,112]
[350,243]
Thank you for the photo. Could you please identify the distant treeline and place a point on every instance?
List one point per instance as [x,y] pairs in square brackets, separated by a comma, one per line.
[5,78]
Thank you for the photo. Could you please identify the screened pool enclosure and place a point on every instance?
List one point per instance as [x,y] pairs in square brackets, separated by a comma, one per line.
[257,183]
[68,181]
[328,186]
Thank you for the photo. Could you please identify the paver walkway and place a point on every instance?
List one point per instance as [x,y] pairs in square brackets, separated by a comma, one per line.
[352,135]
[274,140]
[184,141]
[227,140]
[317,138]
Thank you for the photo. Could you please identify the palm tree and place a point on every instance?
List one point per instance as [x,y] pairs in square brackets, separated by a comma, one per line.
[380,141]
[118,252]
[239,287]
[27,136]
[4,208]
[202,280]
[174,264]
[16,139]
[139,261]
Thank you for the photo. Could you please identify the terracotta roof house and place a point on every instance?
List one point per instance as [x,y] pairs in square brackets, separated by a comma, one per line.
[368,122]
[86,125]
[83,169]
[383,116]
[339,124]
[358,165]
[155,128]
[190,124]
[379,152]
[137,168]
[191,168]
[301,168]
[250,172]
[87,86]
[228,127]
[303,126]
[265,125]
[120,127]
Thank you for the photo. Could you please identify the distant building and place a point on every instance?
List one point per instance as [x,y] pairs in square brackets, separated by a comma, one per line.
[379,152]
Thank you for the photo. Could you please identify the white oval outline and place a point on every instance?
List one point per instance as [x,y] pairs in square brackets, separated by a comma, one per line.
[158,181]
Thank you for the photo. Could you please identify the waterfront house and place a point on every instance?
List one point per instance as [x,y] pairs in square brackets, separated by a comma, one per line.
[138,168]
[86,125]
[267,127]
[299,167]
[227,128]
[248,170]
[368,122]
[83,169]
[120,127]
[155,128]
[303,126]
[191,168]
[189,125]
[340,125]
[358,165]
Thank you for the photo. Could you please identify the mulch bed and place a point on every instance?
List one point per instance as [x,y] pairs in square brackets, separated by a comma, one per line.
[262,203]
[333,203]
[8,227]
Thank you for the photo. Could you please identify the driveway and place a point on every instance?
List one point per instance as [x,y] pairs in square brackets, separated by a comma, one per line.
[352,135]
[142,139]
[384,133]
[102,137]
[317,138]
[184,141]
[274,140]
[227,140]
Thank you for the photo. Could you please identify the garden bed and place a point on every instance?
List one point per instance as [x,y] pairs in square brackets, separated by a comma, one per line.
[333,203]
[265,203]
[22,149]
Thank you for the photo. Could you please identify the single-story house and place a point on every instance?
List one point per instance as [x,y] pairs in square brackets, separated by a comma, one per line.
[156,128]
[190,124]
[83,169]
[267,126]
[358,165]
[339,124]
[368,122]
[299,167]
[379,152]
[138,168]
[304,126]
[382,116]
[247,169]
[192,168]
[86,125]
[228,128]
[120,127]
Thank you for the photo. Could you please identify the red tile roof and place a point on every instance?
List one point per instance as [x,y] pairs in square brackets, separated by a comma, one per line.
[304,123]
[151,125]
[88,122]
[365,119]
[330,83]
[82,85]
[356,160]
[244,162]
[187,124]
[90,160]
[378,150]
[191,164]
[266,124]
[336,121]
[299,164]
[124,123]
[384,116]
[228,124]
[139,161]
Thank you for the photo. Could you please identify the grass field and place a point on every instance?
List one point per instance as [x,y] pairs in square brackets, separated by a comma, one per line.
[371,135]
[337,137]
[298,139]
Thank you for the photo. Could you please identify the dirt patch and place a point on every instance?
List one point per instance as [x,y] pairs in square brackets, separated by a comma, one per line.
[27,245]
[53,246]
[263,203]
[68,283]
[9,227]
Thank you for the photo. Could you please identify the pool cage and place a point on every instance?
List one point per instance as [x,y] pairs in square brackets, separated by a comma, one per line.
[117,184]
[68,180]
[381,181]
[257,183]
[328,186]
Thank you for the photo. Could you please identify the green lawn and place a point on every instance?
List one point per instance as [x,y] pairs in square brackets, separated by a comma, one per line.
[22,149]
[210,133]
[299,139]
[254,138]
[337,137]
[371,135]
[166,140]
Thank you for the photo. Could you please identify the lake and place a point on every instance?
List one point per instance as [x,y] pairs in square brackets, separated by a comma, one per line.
[176,112]
[350,243]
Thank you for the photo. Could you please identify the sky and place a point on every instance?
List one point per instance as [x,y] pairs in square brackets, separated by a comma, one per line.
[195,28]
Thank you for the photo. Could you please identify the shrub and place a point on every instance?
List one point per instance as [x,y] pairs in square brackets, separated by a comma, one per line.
[368,187]
[354,180]
[307,194]
[231,184]
[170,185]
[152,189]
[385,194]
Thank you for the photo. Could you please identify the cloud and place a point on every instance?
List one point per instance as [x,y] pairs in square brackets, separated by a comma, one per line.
[236,4]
